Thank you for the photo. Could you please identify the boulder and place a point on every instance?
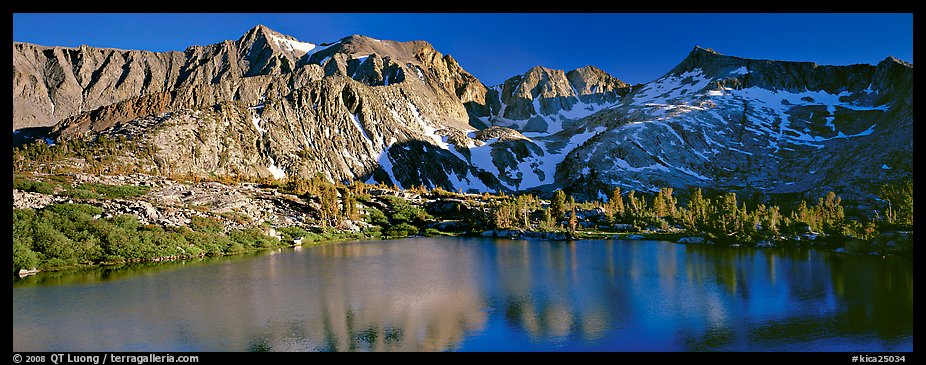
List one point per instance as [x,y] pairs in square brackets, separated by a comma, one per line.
[149,211]
[623,227]
[544,236]
[691,239]
[26,199]
[893,242]
[855,245]
[809,236]
[765,243]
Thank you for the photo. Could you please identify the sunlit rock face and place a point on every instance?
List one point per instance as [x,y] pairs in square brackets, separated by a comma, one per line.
[403,114]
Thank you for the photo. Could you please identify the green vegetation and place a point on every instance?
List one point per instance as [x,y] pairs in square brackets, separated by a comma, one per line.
[722,218]
[103,154]
[402,218]
[33,186]
[66,235]
[101,191]
[899,197]
[61,185]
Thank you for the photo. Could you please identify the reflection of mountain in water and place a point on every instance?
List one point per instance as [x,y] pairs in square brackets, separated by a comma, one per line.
[365,297]
[471,294]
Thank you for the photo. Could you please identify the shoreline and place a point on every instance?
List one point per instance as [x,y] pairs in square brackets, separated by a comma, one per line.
[66,221]
[588,236]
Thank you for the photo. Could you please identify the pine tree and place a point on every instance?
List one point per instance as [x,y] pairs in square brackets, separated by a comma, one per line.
[558,205]
[898,197]
[573,219]
[698,208]
[616,205]
[547,223]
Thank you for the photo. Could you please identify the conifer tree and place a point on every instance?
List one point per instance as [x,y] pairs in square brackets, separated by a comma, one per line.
[558,205]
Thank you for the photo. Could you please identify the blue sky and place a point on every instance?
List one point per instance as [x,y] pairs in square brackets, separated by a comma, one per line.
[633,47]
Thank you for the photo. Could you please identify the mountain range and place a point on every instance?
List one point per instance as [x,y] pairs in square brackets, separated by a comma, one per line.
[403,114]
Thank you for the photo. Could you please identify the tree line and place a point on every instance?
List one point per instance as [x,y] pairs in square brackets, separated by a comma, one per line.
[721,218]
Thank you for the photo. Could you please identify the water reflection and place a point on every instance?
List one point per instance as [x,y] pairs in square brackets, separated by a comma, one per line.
[470,294]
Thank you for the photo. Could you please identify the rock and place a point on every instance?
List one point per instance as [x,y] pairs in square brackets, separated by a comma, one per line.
[831,165]
[449,226]
[811,236]
[260,107]
[854,245]
[150,212]
[894,242]
[489,233]
[27,272]
[840,250]
[553,91]
[623,227]
[691,240]
[544,236]
[634,237]
[27,199]
[765,243]
[272,232]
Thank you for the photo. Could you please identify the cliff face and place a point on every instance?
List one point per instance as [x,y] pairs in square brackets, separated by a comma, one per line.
[547,101]
[774,126]
[54,83]
[404,114]
[357,109]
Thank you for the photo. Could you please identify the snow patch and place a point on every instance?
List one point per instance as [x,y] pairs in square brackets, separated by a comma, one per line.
[386,163]
[277,172]
[359,126]
[428,130]
[293,45]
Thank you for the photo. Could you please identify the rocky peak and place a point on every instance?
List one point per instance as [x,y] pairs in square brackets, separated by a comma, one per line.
[356,46]
[593,80]
[370,61]
[735,72]
[543,82]
[892,76]
[277,41]
[262,51]
[542,91]
[710,62]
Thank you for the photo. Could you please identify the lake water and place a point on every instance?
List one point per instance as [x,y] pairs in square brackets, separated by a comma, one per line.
[438,294]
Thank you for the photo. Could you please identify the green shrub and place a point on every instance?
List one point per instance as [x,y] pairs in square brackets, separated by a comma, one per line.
[34,186]
[251,238]
[82,193]
[192,251]
[293,232]
[24,258]
[375,217]
[431,232]
[207,225]
[235,247]
[56,263]
[401,230]
[74,210]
